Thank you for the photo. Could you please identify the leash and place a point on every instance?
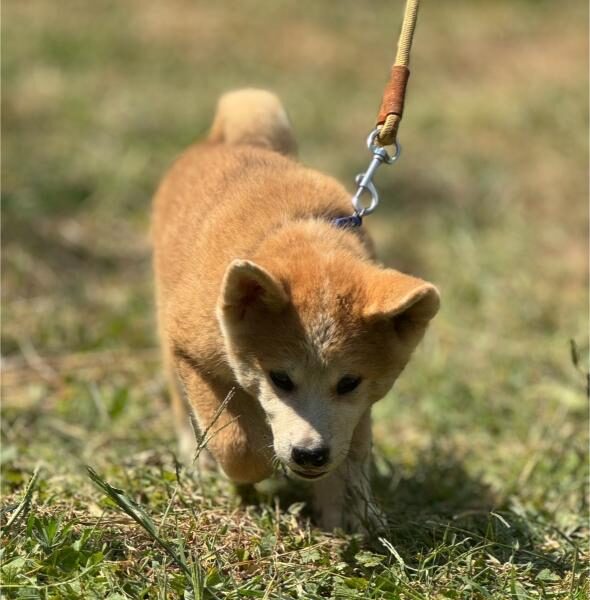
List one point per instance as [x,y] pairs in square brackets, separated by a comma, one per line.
[388,119]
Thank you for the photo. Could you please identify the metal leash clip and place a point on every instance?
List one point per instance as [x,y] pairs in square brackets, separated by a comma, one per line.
[365,180]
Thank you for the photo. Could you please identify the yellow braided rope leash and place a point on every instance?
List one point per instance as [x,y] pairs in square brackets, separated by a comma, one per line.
[392,104]
[388,120]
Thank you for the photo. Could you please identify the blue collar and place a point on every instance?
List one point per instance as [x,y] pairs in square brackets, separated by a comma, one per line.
[347,222]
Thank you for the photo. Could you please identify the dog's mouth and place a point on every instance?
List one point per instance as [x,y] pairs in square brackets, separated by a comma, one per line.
[308,475]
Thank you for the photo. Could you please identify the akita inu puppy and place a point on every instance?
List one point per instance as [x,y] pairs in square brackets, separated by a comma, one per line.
[262,297]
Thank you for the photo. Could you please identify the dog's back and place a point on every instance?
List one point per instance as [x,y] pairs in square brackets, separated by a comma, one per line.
[222,196]
[249,133]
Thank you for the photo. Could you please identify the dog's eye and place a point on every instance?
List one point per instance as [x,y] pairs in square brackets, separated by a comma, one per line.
[282,381]
[347,384]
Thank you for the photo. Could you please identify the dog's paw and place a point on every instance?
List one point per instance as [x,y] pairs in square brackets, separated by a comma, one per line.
[330,519]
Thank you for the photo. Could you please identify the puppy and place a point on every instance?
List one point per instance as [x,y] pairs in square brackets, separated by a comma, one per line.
[262,299]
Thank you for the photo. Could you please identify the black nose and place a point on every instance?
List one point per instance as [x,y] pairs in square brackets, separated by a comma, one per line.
[310,457]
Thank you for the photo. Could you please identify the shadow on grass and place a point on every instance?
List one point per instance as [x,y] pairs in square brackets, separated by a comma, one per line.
[58,254]
[442,511]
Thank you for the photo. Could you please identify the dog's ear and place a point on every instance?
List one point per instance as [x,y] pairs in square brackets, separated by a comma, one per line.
[247,285]
[407,302]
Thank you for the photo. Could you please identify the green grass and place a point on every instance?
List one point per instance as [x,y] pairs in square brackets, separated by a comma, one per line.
[482,446]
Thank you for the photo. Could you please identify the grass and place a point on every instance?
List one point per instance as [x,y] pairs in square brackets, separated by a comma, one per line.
[482,446]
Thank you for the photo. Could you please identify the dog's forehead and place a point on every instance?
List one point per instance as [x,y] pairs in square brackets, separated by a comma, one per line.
[330,316]
[324,334]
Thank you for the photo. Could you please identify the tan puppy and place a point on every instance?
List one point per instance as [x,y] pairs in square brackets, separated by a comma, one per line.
[260,293]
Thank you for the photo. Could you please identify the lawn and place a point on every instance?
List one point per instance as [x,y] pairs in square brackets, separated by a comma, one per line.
[481,448]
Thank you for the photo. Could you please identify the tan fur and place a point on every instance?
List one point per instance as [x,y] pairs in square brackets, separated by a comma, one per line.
[251,276]
[253,117]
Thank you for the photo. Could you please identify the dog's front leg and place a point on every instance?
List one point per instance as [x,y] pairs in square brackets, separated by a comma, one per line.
[237,437]
[345,498]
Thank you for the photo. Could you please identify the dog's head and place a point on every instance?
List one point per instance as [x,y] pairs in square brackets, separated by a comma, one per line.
[318,344]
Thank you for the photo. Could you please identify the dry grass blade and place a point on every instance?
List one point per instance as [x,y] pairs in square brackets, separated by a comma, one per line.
[201,445]
[139,515]
[205,437]
[24,504]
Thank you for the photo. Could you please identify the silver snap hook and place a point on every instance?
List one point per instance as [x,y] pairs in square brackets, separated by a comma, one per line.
[364,180]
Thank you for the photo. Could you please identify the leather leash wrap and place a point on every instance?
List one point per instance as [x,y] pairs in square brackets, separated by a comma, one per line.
[392,104]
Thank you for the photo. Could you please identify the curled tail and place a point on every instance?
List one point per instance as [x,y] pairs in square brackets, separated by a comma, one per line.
[253,117]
